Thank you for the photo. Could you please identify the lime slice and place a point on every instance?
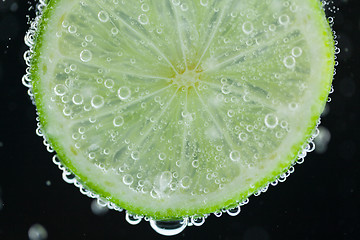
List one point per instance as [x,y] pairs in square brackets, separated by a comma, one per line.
[173,108]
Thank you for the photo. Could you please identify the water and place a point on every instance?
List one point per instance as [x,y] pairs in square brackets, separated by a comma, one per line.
[169,228]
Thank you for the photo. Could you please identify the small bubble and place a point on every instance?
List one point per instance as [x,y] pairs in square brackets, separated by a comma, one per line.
[176,2]
[162,156]
[143,19]
[293,106]
[72,29]
[243,136]
[103,16]
[124,93]
[184,7]
[97,209]
[118,121]
[89,38]
[235,155]
[145,7]
[97,101]
[296,52]
[109,83]
[77,99]
[114,31]
[271,121]
[37,232]
[135,155]
[60,89]
[230,113]
[247,28]
[128,179]
[284,19]
[204,3]
[289,62]
[185,182]
[85,55]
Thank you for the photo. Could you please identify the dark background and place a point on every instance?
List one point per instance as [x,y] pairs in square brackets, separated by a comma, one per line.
[320,200]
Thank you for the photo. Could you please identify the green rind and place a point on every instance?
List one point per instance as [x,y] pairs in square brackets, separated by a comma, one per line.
[171,214]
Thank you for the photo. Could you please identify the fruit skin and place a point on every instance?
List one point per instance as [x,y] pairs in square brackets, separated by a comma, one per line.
[176,213]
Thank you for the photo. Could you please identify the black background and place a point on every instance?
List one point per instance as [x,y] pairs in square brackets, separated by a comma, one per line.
[320,200]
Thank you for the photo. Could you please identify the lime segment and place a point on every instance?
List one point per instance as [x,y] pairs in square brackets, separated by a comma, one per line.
[180,108]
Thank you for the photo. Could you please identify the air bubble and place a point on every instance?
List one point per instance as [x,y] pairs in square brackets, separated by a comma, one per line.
[72,29]
[184,7]
[97,101]
[37,232]
[103,16]
[118,121]
[85,55]
[89,38]
[247,28]
[243,136]
[128,179]
[284,19]
[204,3]
[109,83]
[143,19]
[133,220]
[235,156]
[145,7]
[230,113]
[289,62]
[169,228]
[162,156]
[293,106]
[60,89]
[185,182]
[296,52]
[77,99]
[271,121]
[176,2]
[135,155]
[124,93]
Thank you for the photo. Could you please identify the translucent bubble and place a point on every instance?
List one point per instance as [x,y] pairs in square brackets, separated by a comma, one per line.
[60,89]
[204,3]
[72,29]
[133,220]
[109,83]
[143,19]
[89,38]
[296,51]
[247,28]
[176,2]
[243,136]
[97,101]
[145,7]
[118,121]
[225,89]
[289,62]
[169,228]
[271,121]
[124,93]
[114,31]
[37,232]
[184,7]
[195,163]
[235,155]
[103,16]
[284,19]
[98,209]
[185,182]
[135,155]
[293,106]
[272,27]
[85,55]
[162,156]
[230,113]
[77,99]
[128,179]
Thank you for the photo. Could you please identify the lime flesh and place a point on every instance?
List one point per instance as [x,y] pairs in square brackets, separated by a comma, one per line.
[179,108]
